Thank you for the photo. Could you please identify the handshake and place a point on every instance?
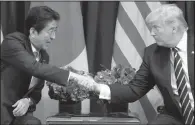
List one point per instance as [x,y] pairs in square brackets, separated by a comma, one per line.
[80,86]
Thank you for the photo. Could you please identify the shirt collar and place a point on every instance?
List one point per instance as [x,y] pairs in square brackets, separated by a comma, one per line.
[33,48]
[182,45]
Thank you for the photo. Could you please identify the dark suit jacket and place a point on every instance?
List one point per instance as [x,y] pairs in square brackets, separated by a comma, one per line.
[36,93]
[18,65]
[155,70]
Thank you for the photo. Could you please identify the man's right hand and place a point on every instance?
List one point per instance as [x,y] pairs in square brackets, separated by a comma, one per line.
[100,89]
[86,81]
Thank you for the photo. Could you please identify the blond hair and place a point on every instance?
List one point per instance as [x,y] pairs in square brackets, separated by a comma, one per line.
[168,14]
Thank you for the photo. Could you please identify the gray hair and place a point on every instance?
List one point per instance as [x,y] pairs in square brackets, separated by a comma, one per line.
[168,14]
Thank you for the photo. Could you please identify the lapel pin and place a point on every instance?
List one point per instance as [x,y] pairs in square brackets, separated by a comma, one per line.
[192,52]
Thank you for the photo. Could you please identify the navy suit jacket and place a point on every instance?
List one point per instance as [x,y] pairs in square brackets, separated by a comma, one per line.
[155,70]
[18,65]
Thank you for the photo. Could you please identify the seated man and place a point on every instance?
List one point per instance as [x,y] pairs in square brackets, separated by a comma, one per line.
[24,55]
[166,65]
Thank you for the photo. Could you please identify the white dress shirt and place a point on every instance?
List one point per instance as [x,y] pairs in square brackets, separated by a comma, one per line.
[105,90]
[36,53]
[182,46]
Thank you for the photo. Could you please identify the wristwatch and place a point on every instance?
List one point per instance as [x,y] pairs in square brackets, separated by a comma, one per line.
[30,101]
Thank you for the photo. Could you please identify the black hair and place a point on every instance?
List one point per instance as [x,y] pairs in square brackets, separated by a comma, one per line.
[39,16]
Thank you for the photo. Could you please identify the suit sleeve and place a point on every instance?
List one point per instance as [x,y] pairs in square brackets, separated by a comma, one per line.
[36,94]
[14,53]
[137,88]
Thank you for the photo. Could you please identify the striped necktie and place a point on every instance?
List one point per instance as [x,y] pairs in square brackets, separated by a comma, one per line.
[187,110]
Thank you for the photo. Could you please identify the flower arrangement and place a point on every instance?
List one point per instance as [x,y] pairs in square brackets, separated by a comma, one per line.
[74,92]
[119,74]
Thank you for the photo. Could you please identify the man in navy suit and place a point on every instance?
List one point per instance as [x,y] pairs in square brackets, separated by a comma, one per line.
[24,55]
[170,30]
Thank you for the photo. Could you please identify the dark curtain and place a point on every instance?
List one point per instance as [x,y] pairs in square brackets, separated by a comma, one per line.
[13,16]
[99,20]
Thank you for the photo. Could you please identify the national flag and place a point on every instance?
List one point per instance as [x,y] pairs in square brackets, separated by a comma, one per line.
[131,37]
[68,49]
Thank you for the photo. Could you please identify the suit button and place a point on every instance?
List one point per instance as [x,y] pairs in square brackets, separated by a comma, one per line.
[161,109]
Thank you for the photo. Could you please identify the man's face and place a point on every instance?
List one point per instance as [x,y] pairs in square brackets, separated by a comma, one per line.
[163,34]
[43,39]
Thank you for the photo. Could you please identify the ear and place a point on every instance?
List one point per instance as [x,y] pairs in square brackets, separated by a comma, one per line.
[175,26]
[33,32]
[174,29]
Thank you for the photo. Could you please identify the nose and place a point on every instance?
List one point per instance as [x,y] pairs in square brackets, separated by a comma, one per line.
[152,32]
[53,36]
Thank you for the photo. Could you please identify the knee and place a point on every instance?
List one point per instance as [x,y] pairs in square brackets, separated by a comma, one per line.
[27,120]
[154,122]
[165,119]
[33,121]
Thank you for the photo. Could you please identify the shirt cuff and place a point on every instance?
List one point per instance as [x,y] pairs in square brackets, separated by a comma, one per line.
[72,75]
[31,101]
[105,92]
[69,76]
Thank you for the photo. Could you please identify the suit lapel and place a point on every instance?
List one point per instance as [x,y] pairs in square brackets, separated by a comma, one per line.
[163,54]
[190,49]
[165,81]
[44,57]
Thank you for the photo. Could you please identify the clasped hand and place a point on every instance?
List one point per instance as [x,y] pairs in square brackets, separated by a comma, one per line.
[21,107]
[85,81]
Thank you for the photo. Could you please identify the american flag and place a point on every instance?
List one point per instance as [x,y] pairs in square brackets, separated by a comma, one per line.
[132,35]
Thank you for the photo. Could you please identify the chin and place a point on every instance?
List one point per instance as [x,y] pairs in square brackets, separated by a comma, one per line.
[45,48]
[162,44]
[159,44]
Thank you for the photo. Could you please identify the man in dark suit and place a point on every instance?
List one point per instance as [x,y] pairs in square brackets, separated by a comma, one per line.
[24,55]
[169,64]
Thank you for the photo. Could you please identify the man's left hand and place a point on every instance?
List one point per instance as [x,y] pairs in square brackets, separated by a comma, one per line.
[22,106]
